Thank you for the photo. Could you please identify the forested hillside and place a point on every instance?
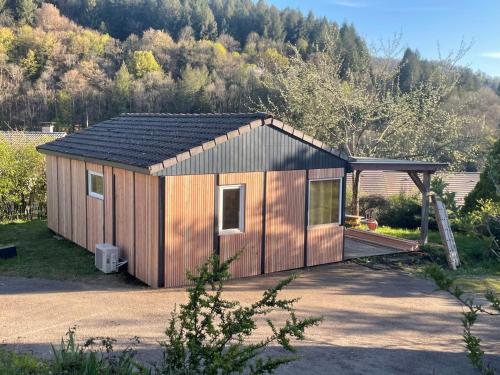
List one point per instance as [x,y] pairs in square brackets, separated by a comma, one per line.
[104,57]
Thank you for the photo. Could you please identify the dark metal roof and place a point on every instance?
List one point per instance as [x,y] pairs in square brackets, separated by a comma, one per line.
[365,164]
[151,142]
[30,137]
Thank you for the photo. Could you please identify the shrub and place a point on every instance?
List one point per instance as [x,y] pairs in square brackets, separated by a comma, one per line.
[22,178]
[489,182]
[210,335]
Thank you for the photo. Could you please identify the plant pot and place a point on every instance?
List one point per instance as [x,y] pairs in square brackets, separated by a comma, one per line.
[372,224]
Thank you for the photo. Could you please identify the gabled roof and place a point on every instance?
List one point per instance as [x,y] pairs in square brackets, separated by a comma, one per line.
[32,138]
[150,142]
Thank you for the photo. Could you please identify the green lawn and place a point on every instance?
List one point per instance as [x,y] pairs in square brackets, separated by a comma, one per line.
[478,272]
[41,255]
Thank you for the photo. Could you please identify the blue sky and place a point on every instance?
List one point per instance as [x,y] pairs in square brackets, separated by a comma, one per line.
[423,25]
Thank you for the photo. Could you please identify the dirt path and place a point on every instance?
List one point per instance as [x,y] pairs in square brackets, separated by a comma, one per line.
[381,322]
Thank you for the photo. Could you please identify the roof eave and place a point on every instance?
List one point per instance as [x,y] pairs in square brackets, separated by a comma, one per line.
[114,164]
[399,166]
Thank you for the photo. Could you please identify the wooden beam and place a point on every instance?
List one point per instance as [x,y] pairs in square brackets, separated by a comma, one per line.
[417,181]
[424,227]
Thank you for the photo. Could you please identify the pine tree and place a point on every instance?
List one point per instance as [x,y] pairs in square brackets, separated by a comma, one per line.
[410,72]
[25,10]
[121,89]
[498,90]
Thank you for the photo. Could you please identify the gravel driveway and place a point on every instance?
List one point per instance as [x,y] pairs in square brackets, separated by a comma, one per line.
[379,322]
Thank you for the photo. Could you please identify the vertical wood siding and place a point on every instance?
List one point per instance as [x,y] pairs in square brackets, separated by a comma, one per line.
[108,204]
[325,242]
[250,242]
[79,202]
[146,228]
[285,220]
[326,173]
[189,225]
[64,196]
[52,196]
[95,215]
[124,210]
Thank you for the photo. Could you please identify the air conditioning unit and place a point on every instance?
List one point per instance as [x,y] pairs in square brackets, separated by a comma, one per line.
[106,257]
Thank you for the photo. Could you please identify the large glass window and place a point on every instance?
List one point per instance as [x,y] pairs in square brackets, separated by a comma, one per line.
[95,184]
[324,201]
[231,208]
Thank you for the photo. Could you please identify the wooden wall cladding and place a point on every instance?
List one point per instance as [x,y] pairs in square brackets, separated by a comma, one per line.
[64,197]
[95,215]
[250,242]
[146,228]
[52,196]
[285,205]
[325,244]
[326,173]
[79,202]
[124,216]
[108,204]
[189,225]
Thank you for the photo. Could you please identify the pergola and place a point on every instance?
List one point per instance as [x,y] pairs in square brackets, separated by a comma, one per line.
[413,168]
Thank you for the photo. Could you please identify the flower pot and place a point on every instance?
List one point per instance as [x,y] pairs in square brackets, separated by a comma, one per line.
[372,224]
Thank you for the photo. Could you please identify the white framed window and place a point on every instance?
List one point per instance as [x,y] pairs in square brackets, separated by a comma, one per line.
[231,209]
[95,184]
[325,201]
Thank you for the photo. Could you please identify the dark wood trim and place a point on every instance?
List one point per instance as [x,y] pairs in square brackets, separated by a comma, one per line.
[342,219]
[103,204]
[263,243]
[133,219]
[57,198]
[216,215]
[161,232]
[71,197]
[113,208]
[306,212]
[86,211]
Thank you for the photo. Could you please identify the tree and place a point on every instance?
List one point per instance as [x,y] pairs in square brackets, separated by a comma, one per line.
[121,89]
[144,62]
[498,90]
[488,186]
[410,70]
[30,64]
[211,335]
[363,115]
[25,10]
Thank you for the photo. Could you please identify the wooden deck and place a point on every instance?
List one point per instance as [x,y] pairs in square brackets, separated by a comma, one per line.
[359,244]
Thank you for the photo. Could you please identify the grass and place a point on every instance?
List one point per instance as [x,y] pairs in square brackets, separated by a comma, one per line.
[477,272]
[22,364]
[42,255]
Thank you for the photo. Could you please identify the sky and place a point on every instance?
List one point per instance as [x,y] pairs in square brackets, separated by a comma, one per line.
[433,27]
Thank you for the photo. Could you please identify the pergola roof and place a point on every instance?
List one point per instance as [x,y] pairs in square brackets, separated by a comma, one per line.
[364,164]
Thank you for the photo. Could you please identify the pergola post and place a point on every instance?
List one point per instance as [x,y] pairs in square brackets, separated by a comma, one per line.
[424,226]
[425,187]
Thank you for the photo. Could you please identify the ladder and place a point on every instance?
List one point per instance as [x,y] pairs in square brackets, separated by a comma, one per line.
[446,233]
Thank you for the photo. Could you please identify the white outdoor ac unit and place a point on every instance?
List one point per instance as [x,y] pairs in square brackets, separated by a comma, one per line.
[106,257]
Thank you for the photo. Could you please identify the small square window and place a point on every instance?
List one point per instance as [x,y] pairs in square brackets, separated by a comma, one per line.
[231,209]
[324,201]
[95,185]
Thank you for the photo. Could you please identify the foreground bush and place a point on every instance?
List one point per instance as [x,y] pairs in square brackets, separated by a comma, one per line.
[209,335]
